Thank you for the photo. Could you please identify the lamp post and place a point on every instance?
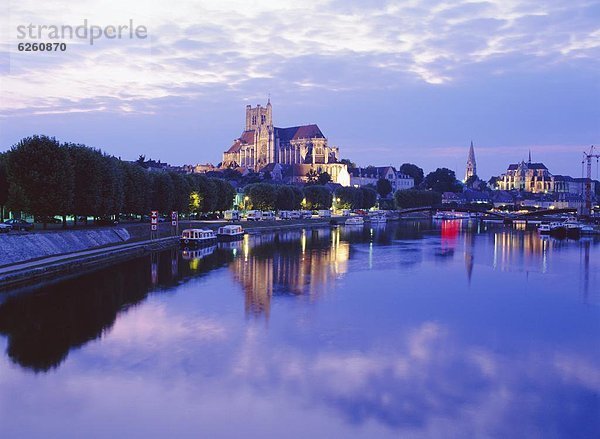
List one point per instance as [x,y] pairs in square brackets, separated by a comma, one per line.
[246,198]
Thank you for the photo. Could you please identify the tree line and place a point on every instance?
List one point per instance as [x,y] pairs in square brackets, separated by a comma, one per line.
[268,196]
[46,178]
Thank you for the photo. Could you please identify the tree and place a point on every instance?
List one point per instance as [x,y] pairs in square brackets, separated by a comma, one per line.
[285,198]
[368,198]
[416,198]
[181,193]
[323,178]
[262,196]
[317,197]
[87,177]
[384,187]
[137,188]
[162,192]
[413,171]
[298,197]
[203,195]
[225,194]
[3,185]
[40,176]
[345,197]
[471,181]
[349,163]
[312,176]
[355,197]
[442,180]
[111,186]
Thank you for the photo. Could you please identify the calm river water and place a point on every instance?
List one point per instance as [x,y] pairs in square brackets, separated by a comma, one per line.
[411,329]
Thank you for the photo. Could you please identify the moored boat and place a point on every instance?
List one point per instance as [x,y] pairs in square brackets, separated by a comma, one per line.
[197,237]
[230,233]
[355,221]
[544,229]
[558,229]
[588,229]
[378,218]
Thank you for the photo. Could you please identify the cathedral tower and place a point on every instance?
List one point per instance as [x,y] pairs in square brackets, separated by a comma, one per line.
[259,121]
[471,164]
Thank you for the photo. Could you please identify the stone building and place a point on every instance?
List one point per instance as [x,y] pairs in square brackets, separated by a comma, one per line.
[294,148]
[364,176]
[526,176]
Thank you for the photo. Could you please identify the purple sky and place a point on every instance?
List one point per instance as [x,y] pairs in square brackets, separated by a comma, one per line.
[387,82]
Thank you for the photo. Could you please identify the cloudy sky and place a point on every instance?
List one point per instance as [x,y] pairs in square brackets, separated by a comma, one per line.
[388,82]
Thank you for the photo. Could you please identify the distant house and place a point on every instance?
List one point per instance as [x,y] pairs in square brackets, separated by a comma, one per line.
[199,168]
[473,196]
[364,176]
[502,198]
[451,197]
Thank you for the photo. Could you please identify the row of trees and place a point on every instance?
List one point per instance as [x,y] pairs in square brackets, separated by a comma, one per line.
[266,196]
[45,178]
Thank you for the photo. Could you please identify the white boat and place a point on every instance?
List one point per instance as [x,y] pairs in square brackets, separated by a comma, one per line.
[544,229]
[192,237]
[589,230]
[230,233]
[355,221]
[439,216]
[379,218]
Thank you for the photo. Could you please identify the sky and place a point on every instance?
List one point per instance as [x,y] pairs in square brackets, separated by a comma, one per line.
[387,82]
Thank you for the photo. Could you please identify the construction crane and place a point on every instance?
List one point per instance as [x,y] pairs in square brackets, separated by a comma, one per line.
[587,160]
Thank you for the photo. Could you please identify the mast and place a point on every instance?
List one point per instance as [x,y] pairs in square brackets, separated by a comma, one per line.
[587,159]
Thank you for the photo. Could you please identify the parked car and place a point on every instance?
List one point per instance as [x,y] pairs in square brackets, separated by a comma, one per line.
[4,228]
[48,220]
[106,222]
[18,224]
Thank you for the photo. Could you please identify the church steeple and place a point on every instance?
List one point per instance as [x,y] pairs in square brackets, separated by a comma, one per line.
[471,163]
[529,157]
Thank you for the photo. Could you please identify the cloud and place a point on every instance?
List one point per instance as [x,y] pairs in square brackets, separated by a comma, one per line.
[199,48]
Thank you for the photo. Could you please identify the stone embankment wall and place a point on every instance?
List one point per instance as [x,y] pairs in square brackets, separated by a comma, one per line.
[19,247]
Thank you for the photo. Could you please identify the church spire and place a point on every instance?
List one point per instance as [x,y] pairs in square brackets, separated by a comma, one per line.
[529,156]
[471,163]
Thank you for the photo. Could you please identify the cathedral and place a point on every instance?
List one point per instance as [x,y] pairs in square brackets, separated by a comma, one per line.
[297,150]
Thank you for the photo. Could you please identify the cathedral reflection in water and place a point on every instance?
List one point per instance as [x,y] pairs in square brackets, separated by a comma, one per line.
[283,263]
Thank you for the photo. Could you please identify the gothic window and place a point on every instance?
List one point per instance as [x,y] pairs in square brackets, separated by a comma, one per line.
[253,120]
[263,119]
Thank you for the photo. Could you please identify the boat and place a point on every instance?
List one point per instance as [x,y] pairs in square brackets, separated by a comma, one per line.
[379,218]
[439,216]
[230,233]
[544,229]
[573,227]
[355,221]
[558,229]
[588,229]
[196,237]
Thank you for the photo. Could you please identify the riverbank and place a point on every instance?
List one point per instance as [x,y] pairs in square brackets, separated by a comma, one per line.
[76,263]
[31,257]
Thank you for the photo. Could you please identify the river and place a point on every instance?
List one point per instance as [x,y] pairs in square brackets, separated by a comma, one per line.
[410,329]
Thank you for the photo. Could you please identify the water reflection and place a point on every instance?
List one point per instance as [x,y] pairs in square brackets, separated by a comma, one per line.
[289,263]
[44,324]
[372,331]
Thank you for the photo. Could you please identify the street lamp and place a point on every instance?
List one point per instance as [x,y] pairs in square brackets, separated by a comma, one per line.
[246,198]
